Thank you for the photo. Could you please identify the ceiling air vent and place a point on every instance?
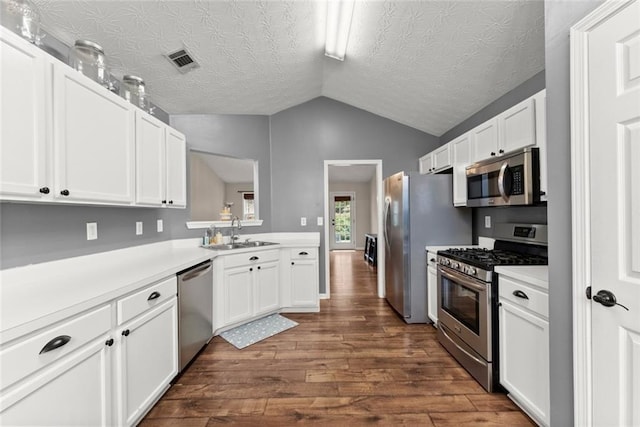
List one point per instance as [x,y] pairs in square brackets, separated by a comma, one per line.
[182,60]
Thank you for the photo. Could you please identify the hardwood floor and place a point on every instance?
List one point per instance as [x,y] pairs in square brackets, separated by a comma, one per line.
[354,363]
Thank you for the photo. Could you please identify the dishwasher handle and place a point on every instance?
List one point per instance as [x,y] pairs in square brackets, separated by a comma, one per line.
[195,273]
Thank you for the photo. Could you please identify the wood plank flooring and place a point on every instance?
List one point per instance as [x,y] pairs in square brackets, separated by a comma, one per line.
[354,363]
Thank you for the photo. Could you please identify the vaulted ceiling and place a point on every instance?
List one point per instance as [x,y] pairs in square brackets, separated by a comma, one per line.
[426,64]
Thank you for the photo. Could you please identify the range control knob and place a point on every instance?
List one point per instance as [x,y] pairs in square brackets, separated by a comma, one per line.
[455,265]
[472,271]
[447,262]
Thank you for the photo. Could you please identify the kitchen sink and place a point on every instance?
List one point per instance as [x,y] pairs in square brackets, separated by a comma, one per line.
[245,245]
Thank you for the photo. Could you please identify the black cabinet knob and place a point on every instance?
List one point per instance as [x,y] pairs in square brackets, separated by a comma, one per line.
[44,190]
[170,202]
[258,267]
[251,269]
[65,192]
[292,263]
[109,342]
[164,202]
[126,333]
[493,153]
[501,151]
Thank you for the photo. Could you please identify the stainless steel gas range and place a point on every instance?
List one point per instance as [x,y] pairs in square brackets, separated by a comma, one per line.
[468,296]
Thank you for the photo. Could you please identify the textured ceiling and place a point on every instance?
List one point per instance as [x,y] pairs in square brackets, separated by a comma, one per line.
[426,64]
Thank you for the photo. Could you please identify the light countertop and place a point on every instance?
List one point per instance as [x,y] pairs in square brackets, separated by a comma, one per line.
[537,275]
[38,295]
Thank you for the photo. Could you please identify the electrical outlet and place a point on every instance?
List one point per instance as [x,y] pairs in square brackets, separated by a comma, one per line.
[320,220]
[92,230]
[159,226]
[138,228]
[303,221]
[487,221]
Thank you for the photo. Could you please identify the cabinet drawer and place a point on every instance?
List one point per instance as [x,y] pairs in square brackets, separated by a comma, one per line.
[136,304]
[29,355]
[432,256]
[304,253]
[536,301]
[248,258]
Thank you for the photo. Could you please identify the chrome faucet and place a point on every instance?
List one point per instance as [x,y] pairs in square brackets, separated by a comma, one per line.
[237,227]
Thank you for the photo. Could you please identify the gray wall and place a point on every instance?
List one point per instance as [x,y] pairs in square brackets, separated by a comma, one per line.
[304,136]
[239,136]
[560,15]
[524,214]
[530,87]
[33,233]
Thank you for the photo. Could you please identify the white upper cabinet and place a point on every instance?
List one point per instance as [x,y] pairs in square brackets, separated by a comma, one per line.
[425,164]
[484,140]
[517,127]
[23,119]
[442,158]
[150,160]
[176,169]
[94,134]
[461,153]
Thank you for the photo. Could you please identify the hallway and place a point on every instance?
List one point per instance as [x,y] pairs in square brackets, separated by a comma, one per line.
[354,363]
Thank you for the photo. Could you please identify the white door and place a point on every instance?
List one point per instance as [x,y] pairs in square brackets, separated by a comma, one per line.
[343,220]
[614,135]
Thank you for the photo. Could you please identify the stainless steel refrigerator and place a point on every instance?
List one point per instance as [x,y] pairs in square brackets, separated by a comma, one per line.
[418,212]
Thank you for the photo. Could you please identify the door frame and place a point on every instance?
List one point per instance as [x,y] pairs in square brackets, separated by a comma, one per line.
[379,193]
[580,206]
[352,216]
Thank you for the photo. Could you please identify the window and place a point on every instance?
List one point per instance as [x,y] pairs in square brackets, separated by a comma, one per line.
[248,206]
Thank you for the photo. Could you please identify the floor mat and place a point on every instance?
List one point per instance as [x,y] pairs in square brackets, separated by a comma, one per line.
[252,332]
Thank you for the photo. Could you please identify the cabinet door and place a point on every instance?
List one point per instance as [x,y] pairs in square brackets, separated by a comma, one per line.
[150,160]
[266,288]
[540,100]
[524,359]
[425,164]
[432,297]
[147,360]
[23,118]
[74,392]
[442,158]
[517,127]
[238,298]
[176,169]
[93,141]
[485,140]
[304,283]
[461,148]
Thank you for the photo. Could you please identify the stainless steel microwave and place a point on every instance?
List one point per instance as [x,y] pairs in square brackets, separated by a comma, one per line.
[508,180]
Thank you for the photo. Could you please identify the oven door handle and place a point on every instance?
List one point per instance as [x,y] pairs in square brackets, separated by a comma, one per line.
[481,362]
[462,280]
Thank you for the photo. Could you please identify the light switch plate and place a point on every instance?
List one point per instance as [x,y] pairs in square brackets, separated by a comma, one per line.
[303,221]
[138,228]
[92,230]
[320,220]
[487,221]
[160,227]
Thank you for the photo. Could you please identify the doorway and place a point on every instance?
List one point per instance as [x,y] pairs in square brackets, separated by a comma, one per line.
[353,208]
[342,220]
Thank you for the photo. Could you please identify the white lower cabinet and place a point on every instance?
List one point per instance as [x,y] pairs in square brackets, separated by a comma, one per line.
[524,346]
[237,294]
[432,287]
[91,370]
[301,285]
[147,360]
[265,287]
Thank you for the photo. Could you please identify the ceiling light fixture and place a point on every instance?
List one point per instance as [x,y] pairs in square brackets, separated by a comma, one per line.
[339,13]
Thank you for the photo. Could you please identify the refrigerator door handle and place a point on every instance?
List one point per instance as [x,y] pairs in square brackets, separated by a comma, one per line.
[387,205]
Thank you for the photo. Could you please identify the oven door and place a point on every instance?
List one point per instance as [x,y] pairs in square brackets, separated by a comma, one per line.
[464,307]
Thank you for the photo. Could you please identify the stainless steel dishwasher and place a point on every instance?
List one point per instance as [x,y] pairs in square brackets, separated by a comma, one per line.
[195,310]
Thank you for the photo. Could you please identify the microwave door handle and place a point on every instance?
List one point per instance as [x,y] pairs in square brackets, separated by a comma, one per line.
[462,280]
[501,178]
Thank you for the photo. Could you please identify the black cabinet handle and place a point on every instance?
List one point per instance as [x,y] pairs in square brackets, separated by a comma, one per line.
[292,263]
[432,260]
[109,342]
[501,151]
[154,295]
[57,342]
[493,153]
[65,192]
[126,333]
[164,202]
[520,294]
[258,267]
[254,258]
[170,202]
[303,253]
[251,269]
[44,190]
